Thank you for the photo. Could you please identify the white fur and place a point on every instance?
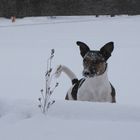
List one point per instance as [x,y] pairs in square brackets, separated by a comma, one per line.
[96,89]
[66,70]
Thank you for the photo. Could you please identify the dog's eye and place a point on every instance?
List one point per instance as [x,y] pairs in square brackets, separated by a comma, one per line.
[85,61]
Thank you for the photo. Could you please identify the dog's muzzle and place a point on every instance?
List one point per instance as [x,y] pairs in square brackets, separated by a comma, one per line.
[93,71]
[87,73]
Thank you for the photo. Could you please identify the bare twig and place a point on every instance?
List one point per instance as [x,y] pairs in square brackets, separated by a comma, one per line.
[45,102]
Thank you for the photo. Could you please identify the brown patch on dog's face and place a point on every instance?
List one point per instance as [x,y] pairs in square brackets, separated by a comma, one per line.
[94,64]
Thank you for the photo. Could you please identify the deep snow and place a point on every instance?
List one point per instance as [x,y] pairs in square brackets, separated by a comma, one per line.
[24,48]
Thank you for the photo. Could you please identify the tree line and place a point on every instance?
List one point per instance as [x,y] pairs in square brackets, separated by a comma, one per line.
[24,8]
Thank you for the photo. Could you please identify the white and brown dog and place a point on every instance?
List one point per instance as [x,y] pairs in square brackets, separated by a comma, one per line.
[95,85]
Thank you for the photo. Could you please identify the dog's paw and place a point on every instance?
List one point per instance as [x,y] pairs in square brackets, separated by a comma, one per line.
[58,71]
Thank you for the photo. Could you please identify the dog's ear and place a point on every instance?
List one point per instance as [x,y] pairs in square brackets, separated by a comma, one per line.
[83,48]
[107,49]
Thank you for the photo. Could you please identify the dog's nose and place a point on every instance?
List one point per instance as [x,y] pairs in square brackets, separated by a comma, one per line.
[86,73]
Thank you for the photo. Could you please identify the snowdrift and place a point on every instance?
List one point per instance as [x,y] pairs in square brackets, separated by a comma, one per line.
[24,47]
[69,120]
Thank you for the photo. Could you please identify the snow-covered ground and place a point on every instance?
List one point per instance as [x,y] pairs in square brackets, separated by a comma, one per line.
[24,48]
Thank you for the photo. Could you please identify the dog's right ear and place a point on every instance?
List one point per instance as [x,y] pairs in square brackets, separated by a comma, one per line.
[107,49]
[83,48]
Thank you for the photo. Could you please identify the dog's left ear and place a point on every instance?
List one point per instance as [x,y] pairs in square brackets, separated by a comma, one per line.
[83,48]
[107,49]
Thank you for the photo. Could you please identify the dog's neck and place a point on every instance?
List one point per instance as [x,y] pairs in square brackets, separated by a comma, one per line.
[95,89]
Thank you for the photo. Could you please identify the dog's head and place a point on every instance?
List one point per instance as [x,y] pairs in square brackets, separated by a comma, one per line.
[95,62]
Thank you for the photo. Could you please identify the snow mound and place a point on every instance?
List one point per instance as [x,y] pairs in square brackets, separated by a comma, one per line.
[22,119]
[15,111]
[77,110]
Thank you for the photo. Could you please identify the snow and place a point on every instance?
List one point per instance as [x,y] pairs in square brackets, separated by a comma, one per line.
[24,48]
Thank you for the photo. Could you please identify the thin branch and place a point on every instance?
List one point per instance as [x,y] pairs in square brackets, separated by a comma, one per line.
[45,102]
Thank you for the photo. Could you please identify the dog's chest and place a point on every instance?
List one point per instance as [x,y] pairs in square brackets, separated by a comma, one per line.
[96,89]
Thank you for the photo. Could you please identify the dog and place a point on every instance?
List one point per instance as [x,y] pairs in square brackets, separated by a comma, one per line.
[94,86]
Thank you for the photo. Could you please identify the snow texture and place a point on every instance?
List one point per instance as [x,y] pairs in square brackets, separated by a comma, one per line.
[24,48]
